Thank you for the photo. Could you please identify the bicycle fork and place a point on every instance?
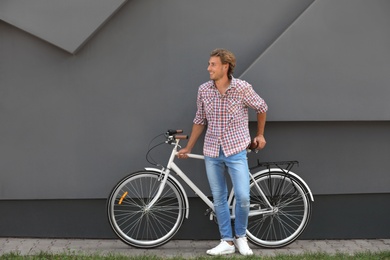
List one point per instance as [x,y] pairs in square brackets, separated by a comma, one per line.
[160,189]
[165,174]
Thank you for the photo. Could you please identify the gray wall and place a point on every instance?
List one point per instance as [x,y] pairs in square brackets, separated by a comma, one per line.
[77,112]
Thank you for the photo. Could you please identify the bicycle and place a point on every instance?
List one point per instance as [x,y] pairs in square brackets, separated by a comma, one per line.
[147,208]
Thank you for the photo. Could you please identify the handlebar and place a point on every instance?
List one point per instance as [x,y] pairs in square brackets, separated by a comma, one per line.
[174,134]
[172,137]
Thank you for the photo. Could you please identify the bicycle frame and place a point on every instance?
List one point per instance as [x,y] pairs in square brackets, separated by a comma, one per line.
[173,166]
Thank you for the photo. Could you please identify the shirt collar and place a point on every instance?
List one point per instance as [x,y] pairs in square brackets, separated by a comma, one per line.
[232,83]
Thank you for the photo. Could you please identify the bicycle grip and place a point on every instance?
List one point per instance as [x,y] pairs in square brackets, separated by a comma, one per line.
[172,132]
[181,136]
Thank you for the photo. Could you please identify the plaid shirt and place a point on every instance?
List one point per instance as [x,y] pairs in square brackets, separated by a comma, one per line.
[226,116]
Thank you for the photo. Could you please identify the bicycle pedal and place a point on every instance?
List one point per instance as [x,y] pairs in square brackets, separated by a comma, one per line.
[207,211]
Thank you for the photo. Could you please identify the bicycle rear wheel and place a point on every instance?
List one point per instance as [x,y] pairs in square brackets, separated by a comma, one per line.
[133,222]
[291,214]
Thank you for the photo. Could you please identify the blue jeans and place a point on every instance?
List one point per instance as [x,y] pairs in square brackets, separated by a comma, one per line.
[237,167]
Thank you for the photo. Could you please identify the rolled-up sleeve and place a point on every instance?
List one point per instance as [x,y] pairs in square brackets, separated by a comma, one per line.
[254,101]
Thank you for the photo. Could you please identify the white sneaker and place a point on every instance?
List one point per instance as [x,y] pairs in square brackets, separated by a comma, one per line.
[222,249]
[242,245]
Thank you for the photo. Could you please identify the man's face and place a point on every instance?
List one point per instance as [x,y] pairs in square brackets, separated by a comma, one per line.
[216,69]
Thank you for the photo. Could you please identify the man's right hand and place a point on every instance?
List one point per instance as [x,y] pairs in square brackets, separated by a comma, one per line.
[195,133]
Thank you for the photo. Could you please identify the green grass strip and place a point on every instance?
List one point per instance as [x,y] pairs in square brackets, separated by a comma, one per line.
[307,256]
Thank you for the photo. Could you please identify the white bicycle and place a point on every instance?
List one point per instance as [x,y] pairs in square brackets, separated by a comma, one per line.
[146,208]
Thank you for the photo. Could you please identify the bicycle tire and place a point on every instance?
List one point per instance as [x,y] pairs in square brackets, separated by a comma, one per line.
[132,222]
[292,210]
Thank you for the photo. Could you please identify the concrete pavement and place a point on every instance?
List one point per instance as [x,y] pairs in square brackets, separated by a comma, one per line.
[184,248]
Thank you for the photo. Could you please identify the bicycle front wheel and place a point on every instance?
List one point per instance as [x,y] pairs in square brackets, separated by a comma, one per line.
[291,213]
[137,224]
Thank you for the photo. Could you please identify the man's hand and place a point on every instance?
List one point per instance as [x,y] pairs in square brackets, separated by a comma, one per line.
[182,153]
[258,142]
[196,132]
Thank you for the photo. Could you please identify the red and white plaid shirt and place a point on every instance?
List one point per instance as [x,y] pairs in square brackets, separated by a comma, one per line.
[226,116]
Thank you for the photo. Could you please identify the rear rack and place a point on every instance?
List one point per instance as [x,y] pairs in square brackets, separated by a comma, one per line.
[279,164]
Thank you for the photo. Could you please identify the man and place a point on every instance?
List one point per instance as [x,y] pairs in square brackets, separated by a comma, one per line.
[222,105]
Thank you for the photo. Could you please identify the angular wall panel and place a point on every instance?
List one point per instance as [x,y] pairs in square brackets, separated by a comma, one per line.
[332,63]
[66,24]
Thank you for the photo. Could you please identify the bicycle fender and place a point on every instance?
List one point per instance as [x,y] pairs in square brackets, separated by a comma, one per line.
[187,204]
[289,173]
